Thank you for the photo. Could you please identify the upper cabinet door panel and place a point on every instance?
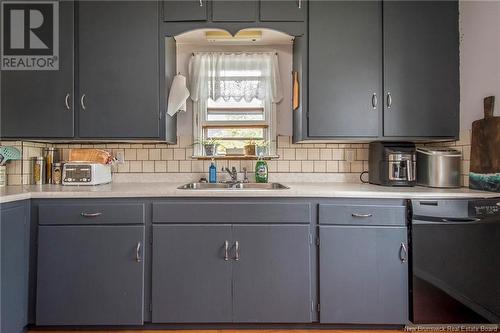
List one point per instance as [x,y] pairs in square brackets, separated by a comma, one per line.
[39,104]
[345,74]
[234,10]
[118,69]
[421,68]
[283,11]
[187,10]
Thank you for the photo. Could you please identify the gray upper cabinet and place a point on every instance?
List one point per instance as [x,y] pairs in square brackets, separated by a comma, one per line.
[345,68]
[14,232]
[421,68]
[234,10]
[271,274]
[185,10]
[363,274]
[283,10]
[118,69]
[39,104]
[90,275]
[191,274]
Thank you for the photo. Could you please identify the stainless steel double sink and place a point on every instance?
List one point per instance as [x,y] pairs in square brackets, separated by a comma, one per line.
[233,186]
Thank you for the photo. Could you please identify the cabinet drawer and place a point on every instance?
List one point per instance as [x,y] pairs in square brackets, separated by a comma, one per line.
[91,213]
[362,214]
[231,212]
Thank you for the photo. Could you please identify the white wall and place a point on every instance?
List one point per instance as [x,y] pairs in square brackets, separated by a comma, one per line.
[284,108]
[479,58]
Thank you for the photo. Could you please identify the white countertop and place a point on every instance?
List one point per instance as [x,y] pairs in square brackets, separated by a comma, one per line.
[304,190]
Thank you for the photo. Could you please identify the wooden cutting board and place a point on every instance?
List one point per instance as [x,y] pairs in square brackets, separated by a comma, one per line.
[485,144]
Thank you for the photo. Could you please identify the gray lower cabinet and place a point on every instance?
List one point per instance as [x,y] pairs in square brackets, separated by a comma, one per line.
[283,10]
[272,276]
[90,275]
[185,10]
[191,274]
[234,10]
[421,72]
[14,256]
[39,103]
[363,274]
[345,68]
[231,273]
[118,71]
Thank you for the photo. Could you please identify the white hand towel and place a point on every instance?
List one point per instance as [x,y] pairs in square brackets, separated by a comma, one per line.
[178,95]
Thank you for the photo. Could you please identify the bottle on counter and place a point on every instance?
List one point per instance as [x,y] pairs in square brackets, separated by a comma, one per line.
[38,170]
[212,172]
[261,170]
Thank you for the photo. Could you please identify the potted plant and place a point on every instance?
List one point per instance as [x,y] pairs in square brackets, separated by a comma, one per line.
[250,148]
[209,146]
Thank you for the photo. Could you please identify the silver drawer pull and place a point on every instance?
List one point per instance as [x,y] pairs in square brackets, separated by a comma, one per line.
[361,215]
[389,100]
[237,251]
[300,4]
[201,3]
[138,252]
[226,250]
[403,252]
[90,214]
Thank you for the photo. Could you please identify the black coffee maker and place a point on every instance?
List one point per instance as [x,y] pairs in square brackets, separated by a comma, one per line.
[392,163]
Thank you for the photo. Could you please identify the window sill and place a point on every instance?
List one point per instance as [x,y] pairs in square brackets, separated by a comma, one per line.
[235,157]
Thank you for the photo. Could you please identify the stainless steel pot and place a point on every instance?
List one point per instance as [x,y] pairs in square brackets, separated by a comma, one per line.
[438,167]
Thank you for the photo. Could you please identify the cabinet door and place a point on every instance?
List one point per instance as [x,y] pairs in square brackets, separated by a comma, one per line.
[363,278]
[90,275]
[14,231]
[421,68]
[39,104]
[118,69]
[272,278]
[234,10]
[345,74]
[283,10]
[186,10]
[191,278]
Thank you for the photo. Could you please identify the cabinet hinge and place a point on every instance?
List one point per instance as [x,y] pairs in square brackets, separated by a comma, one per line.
[161,114]
[318,308]
[310,239]
[317,241]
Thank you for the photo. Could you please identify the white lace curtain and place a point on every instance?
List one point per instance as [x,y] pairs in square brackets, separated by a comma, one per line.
[235,76]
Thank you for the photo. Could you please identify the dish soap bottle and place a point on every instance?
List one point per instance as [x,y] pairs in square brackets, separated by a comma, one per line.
[261,171]
[212,172]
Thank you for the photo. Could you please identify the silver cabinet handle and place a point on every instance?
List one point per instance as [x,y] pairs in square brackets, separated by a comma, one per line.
[237,251]
[66,102]
[403,252]
[374,100]
[82,102]
[201,3]
[389,100]
[138,252]
[226,250]
[90,214]
[300,4]
[361,215]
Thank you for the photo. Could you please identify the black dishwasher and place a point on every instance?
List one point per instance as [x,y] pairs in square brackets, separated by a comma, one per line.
[455,261]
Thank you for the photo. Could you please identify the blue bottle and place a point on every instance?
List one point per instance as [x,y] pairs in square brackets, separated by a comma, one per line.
[212,173]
